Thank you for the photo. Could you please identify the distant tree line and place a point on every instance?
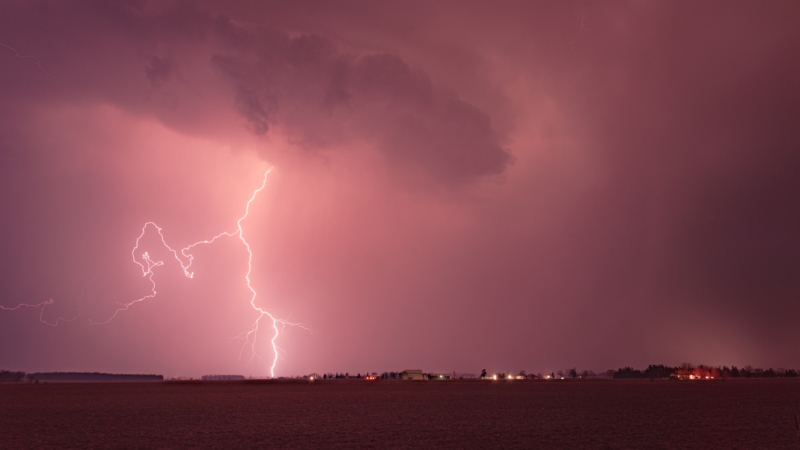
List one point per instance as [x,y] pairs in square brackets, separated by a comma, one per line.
[688,371]
[659,371]
[7,376]
[358,376]
[17,377]
[652,371]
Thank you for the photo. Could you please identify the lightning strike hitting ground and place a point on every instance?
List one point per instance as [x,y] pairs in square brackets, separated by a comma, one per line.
[185,259]
[21,56]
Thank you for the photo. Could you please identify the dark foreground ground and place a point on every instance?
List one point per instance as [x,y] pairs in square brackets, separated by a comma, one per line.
[744,414]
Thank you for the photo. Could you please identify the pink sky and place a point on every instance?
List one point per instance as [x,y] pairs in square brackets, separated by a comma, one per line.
[455,186]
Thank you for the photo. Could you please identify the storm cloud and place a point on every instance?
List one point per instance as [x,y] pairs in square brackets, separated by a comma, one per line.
[456,185]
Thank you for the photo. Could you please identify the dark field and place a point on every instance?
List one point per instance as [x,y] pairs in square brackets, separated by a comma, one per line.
[360,414]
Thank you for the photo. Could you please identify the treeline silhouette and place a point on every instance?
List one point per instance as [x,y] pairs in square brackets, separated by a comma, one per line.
[358,376]
[688,371]
[7,376]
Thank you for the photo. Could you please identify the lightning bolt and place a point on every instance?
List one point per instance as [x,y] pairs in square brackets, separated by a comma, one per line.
[41,307]
[185,259]
[583,27]
[21,56]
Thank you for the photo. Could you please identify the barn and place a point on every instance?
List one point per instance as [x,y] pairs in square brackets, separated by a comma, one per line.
[412,374]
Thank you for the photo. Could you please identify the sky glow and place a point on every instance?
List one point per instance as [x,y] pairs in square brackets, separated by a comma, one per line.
[456,186]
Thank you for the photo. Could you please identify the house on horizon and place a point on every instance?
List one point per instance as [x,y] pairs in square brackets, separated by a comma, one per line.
[412,374]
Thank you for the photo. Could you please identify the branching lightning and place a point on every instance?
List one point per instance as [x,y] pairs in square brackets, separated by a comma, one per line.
[583,27]
[21,56]
[41,307]
[185,259]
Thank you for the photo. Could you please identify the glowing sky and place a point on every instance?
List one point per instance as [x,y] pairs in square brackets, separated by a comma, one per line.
[457,185]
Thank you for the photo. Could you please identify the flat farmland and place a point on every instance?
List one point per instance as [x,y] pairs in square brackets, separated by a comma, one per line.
[745,414]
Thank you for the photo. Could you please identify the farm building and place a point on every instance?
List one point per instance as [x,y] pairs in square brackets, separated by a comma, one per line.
[412,374]
[222,377]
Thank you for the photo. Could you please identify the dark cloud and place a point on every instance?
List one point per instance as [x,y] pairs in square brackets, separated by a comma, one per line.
[692,116]
[297,80]
[158,70]
[304,80]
